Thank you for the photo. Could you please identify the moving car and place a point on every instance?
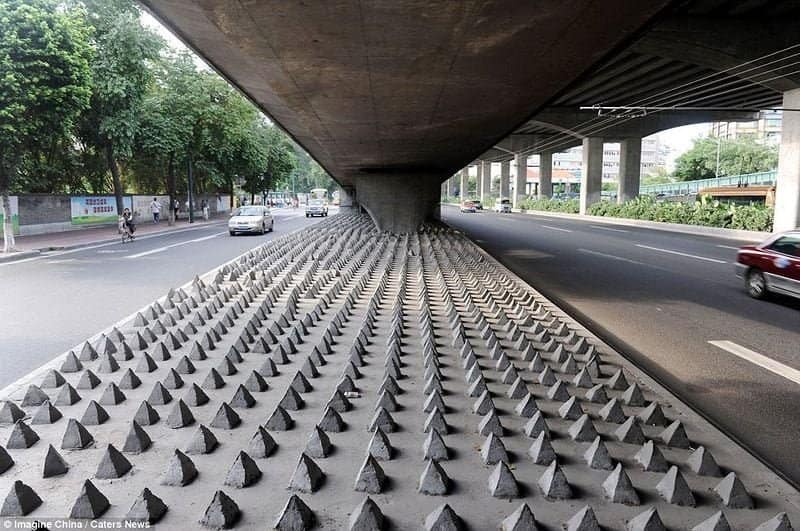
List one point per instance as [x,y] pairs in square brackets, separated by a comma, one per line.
[468,206]
[502,206]
[772,266]
[316,207]
[478,204]
[251,218]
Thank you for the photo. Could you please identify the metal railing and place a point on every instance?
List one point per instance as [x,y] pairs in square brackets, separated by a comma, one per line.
[692,187]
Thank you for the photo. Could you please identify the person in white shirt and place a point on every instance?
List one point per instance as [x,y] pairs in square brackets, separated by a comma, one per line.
[155,208]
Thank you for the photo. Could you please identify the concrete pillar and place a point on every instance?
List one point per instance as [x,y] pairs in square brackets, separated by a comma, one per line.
[787,191]
[478,180]
[462,190]
[505,179]
[630,169]
[521,165]
[545,189]
[347,199]
[591,172]
[486,181]
[399,203]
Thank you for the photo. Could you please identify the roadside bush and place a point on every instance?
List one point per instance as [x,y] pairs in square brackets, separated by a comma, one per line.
[706,213]
[570,206]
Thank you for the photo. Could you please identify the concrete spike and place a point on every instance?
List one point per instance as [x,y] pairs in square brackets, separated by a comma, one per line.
[558,392]
[675,435]
[703,463]
[34,396]
[597,456]
[518,389]
[597,394]
[434,480]
[547,377]
[367,517]
[371,477]
[244,472]
[295,516]
[180,416]
[436,420]
[146,414]
[582,430]
[107,364]
[279,420]
[332,421]
[570,410]
[292,401]
[261,444]
[716,522]
[443,518]
[147,507]
[319,444]
[553,483]
[112,395]
[434,400]
[618,488]
[6,460]
[256,383]
[113,464]
[630,432]
[203,441]
[653,415]
[618,382]
[226,418]
[732,493]
[76,437]
[20,501]
[541,451]
[520,520]
[633,396]
[222,512]
[242,398]
[54,464]
[67,396]
[22,436]
[387,401]
[213,380]
[502,483]
[583,520]
[526,407]
[46,414]
[583,379]
[52,380]
[94,414]
[88,353]
[493,450]
[90,504]
[300,383]
[137,440]
[307,476]
[779,522]
[10,412]
[268,368]
[649,520]
[490,423]
[129,380]
[613,412]
[651,458]
[537,364]
[674,489]
[380,447]
[535,425]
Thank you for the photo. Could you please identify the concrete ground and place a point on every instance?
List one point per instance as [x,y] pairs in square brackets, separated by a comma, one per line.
[660,298]
[473,354]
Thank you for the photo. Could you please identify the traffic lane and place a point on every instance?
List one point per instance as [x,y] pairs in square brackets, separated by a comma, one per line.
[663,321]
[50,305]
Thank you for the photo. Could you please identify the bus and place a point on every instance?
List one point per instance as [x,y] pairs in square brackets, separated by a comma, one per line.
[319,193]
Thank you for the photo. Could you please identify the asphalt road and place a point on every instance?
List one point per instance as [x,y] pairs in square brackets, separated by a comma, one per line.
[659,298]
[51,303]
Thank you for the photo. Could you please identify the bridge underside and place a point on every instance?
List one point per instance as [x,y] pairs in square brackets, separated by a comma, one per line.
[376,90]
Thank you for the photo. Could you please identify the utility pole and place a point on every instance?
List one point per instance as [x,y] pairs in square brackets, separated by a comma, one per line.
[191,188]
[719,142]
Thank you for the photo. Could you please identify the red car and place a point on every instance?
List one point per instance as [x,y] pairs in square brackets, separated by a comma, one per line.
[771,266]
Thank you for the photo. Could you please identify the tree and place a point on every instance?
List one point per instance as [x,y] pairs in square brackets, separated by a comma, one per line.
[658,176]
[122,76]
[736,157]
[45,84]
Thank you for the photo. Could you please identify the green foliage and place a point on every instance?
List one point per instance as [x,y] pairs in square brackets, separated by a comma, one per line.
[736,157]
[570,206]
[706,213]
[657,176]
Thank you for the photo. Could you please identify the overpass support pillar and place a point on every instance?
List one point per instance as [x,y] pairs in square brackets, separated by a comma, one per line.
[479,180]
[545,190]
[787,191]
[399,203]
[486,181]
[591,172]
[630,169]
[521,180]
[505,179]
[462,190]
[347,199]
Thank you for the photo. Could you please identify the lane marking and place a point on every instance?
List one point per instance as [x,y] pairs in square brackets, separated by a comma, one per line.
[607,228]
[762,361]
[612,257]
[728,247]
[167,247]
[554,228]
[670,251]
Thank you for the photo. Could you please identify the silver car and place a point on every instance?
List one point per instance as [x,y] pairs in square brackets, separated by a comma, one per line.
[251,218]
[316,207]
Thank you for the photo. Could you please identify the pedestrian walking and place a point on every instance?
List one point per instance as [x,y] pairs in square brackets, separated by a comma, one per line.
[176,206]
[206,212]
[155,208]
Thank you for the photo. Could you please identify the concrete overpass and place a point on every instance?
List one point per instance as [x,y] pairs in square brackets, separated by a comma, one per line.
[392,98]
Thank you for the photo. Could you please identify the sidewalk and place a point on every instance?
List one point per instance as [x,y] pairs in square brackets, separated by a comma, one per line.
[28,246]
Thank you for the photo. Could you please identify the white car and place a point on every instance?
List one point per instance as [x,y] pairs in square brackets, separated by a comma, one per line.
[251,218]
[502,206]
[316,207]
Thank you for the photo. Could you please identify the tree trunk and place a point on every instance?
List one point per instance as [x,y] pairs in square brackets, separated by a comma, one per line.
[9,244]
[231,197]
[171,188]
[117,179]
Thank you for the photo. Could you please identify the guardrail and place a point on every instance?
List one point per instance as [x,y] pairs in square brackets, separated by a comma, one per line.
[691,187]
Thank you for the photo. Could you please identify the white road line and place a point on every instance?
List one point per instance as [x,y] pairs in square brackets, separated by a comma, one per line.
[762,361]
[607,228]
[554,228]
[728,247]
[612,257]
[167,247]
[705,258]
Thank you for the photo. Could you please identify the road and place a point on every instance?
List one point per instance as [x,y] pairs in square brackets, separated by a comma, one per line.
[52,302]
[660,298]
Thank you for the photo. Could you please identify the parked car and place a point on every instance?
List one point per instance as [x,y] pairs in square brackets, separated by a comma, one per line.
[251,218]
[468,206]
[316,207]
[478,204]
[772,266]
[502,206]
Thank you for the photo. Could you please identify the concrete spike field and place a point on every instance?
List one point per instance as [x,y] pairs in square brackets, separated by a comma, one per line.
[343,378]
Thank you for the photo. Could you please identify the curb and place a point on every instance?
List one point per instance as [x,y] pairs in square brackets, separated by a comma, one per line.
[18,255]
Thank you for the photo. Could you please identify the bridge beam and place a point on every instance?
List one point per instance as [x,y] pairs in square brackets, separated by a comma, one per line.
[592,172]
[630,169]
[787,191]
